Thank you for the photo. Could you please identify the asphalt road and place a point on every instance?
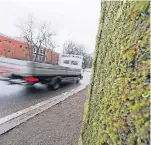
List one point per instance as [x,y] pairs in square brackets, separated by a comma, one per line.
[16,97]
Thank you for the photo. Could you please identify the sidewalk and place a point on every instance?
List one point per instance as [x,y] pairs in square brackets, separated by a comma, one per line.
[59,125]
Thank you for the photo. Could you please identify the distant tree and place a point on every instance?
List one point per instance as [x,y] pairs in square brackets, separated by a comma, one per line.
[37,37]
[71,47]
[88,60]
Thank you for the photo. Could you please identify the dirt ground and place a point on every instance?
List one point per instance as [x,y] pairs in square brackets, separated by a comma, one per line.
[59,125]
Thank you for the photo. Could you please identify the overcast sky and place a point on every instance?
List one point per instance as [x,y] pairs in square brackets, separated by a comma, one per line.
[75,20]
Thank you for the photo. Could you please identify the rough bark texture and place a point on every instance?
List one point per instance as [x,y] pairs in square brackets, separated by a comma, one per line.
[117,107]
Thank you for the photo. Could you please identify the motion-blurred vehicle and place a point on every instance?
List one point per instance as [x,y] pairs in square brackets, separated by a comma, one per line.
[15,71]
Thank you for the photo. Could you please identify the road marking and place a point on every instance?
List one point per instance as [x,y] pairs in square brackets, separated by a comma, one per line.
[11,121]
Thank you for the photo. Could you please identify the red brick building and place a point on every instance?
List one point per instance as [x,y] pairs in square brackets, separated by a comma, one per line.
[13,48]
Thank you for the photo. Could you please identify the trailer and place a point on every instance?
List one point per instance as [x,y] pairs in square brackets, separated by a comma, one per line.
[23,72]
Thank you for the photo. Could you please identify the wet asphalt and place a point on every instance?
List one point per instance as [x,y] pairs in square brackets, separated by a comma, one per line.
[14,98]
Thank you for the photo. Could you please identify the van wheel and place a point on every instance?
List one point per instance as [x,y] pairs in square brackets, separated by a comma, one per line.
[56,85]
[78,81]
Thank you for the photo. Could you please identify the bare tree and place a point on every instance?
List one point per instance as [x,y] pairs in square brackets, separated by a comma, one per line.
[49,44]
[71,47]
[36,37]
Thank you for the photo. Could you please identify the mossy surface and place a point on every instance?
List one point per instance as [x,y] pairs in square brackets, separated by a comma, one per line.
[117,107]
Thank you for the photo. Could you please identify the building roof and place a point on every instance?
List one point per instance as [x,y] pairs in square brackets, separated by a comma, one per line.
[14,38]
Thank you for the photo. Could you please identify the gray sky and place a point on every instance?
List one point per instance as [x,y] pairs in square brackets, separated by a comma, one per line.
[75,20]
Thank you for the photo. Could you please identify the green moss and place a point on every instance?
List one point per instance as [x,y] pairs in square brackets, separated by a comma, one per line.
[117,105]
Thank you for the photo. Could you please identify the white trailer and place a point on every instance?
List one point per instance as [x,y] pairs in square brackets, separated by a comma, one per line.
[29,72]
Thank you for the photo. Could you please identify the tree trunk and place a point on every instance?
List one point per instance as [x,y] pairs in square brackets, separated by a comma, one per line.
[117,107]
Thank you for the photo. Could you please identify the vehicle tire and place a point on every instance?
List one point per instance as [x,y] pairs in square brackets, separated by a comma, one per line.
[81,77]
[78,81]
[54,86]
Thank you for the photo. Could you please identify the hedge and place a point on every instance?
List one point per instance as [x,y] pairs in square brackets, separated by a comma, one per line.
[116,111]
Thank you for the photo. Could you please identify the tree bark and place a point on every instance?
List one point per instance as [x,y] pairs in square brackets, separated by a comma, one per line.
[117,107]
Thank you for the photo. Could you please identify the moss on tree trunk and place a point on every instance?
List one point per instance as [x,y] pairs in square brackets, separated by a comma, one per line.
[117,107]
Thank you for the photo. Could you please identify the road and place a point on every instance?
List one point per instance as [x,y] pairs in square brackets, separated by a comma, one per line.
[16,97]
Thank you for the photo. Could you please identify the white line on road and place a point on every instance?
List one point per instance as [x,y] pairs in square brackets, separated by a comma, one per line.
[14,119]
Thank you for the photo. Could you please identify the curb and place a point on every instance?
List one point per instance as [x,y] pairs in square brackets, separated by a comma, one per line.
[9,122]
